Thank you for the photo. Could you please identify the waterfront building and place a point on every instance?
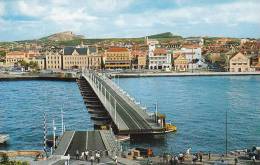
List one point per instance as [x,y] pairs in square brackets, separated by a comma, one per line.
[194,57]
[181,63]
[255,62]
[41,61]
[117,57]
[160,59]
[79,58]
[53,60]
[12,58]
[139,59]
[239,63]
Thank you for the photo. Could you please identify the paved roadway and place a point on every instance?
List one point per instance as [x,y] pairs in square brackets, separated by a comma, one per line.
[78,143]
[80,140]
[134,121]
[64,143]
[95,142]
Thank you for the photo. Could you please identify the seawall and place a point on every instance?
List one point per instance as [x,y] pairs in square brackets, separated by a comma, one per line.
[174,74]
[35,77]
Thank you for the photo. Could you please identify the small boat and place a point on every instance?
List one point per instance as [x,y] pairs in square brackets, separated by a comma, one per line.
[170,128]
[4,138]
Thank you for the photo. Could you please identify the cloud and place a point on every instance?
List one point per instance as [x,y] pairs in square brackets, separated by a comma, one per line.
[31,8]
[2,9]
[98,18]
[107,6]
[225,15]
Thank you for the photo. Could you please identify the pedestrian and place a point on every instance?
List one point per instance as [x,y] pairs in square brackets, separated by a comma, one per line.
[116,160]
[171,160]
[98,157]
[200,155]
[175,161]
[253,158]
[86,155]
[236,160]
[92,159]
[194,158]
[209,155]
[82,155]
[77,154]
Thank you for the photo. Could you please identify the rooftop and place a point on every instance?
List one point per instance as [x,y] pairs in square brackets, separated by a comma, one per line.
[117,49]
[70,50]
[159,51]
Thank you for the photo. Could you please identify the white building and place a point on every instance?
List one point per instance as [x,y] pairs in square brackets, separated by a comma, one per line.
[194,57]
[160,59]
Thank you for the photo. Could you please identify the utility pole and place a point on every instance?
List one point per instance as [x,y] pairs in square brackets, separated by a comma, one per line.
[62,124]
[115,111]
[226,132]
[45,133]
[54,138]
[156,111]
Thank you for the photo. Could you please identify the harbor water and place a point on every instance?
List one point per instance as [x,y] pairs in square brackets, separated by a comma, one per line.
[196,105]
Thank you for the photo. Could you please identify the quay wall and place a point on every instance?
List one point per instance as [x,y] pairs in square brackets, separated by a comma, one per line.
[36,77]
[174,74]
[16,153]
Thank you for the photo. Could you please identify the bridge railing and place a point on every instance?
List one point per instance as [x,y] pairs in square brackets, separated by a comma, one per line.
[108,100]
[130,100]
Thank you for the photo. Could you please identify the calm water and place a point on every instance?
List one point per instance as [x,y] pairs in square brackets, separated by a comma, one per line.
[197,105]
[22,104]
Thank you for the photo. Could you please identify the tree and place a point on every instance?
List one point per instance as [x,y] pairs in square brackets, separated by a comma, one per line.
[33,65]
[23,64]
[2,54]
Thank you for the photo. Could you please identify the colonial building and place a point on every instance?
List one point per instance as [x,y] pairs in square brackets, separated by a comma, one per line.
[14,57]
[40,60]
[79,58]
[160,59]
[239,63]
[117,57]
[53,61]
[181,63]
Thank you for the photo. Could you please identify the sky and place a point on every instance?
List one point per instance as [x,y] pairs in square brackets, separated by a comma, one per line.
[32,19]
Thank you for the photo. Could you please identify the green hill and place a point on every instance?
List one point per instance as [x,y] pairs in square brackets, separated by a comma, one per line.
[164,35]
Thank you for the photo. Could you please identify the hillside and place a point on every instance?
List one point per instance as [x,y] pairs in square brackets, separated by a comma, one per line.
[63,36]
[164,35]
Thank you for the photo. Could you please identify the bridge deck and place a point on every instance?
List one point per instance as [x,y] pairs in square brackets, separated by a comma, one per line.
[128,116]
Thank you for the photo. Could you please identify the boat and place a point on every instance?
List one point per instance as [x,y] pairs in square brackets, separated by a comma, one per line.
[170,128]
[4,138]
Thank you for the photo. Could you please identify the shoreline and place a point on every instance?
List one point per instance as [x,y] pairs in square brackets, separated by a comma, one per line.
[183,74]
